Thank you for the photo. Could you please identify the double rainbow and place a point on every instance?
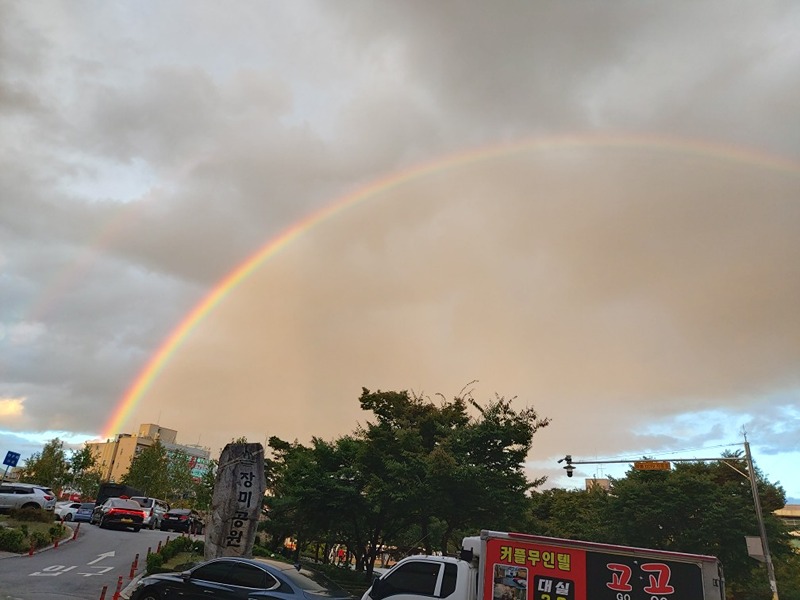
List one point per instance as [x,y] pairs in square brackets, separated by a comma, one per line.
[179,334]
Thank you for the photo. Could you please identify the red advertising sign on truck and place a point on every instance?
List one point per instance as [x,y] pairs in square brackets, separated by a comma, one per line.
[517,566]
[525,567]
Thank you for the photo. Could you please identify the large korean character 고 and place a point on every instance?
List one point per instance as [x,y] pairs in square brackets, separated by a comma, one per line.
[239,518]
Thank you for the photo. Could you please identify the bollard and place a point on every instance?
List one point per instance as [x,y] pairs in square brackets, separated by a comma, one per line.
[103,593]
[55,543]
[75,532]
[158,548]
[136,563]
[119,588]
[133,571]
[148,552]
[30,552]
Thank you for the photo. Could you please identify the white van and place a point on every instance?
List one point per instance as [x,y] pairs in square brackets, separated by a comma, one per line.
[154,510]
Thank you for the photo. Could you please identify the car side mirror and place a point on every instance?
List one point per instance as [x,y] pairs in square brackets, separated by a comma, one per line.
[186,575]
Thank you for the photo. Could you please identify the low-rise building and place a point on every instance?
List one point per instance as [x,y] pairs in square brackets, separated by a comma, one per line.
[115,456]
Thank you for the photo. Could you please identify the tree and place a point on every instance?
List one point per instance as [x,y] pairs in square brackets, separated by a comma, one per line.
[48,467]
[572,514]
[149,471]
[487,487]
[414,476]
[83,474]
[701,508]
[204,488]
[179,476]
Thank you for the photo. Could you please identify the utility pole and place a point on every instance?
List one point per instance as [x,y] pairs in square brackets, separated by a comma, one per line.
[759,515]
[660,464]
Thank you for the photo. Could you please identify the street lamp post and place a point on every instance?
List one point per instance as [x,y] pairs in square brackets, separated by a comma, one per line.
[750,475]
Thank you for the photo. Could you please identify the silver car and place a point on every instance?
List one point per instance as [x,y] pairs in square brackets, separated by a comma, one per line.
[26,495]
[154,510]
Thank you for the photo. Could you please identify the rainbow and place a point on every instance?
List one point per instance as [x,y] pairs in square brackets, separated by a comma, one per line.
[179,334]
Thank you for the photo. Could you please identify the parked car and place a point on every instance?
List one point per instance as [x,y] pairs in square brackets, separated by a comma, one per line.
[234,577]
[120,512]
[84,513]
[26,495]
[183,519]
[66,510]
[154,510]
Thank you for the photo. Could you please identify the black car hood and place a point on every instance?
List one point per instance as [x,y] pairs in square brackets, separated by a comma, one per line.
[173,576]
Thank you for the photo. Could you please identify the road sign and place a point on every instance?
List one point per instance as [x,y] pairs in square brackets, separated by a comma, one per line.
[652,465]
[12,458]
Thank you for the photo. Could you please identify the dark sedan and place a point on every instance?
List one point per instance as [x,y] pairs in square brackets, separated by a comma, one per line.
[182,519]
[119,512]
[239,578]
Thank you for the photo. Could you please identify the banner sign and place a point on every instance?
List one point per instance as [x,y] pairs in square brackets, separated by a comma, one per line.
[652,465]
[533,571]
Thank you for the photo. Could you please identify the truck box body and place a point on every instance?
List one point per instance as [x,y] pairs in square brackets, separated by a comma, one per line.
[516,566]
[115,490]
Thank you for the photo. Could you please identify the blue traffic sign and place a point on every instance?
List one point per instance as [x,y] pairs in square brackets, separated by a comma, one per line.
[12,458]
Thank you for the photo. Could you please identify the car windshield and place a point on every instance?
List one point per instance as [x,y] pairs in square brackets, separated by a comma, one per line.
[145,502]
[179,511]
[87,506]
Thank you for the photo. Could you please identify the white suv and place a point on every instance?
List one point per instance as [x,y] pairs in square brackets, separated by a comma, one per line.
[26,495]
[154,510]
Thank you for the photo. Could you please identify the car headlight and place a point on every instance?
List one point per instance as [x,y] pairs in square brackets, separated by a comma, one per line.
[132,587]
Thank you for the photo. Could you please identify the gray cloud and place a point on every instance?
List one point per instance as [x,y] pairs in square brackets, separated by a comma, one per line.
[147,150]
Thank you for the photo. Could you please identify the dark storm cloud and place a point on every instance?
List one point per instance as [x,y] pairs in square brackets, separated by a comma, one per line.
[148,149]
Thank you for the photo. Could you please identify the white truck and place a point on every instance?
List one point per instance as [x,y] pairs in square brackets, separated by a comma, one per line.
[517,566]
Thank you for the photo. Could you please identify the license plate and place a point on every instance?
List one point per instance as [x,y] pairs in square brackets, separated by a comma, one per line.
[126,520]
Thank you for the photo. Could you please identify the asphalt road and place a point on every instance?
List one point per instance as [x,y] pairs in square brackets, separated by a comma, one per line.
[80,567]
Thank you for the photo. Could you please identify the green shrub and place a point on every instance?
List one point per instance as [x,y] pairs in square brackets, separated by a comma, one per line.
[40,539]
[12,540]
[179,544]
[265,552]
[32,514]
[183,543]
[154,562]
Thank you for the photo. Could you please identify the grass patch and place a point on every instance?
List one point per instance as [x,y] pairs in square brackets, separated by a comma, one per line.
[20,534]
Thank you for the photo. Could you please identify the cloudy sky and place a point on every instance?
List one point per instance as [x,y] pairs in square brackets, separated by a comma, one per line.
[591,207]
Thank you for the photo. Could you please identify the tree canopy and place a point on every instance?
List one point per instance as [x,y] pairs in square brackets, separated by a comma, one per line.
[52,467]
[697,507]
[417,470]
[164,474]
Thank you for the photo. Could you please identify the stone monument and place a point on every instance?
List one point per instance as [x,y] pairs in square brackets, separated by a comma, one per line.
[236,503]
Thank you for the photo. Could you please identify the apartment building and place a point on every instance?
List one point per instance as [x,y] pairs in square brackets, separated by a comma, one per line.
[115,456]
